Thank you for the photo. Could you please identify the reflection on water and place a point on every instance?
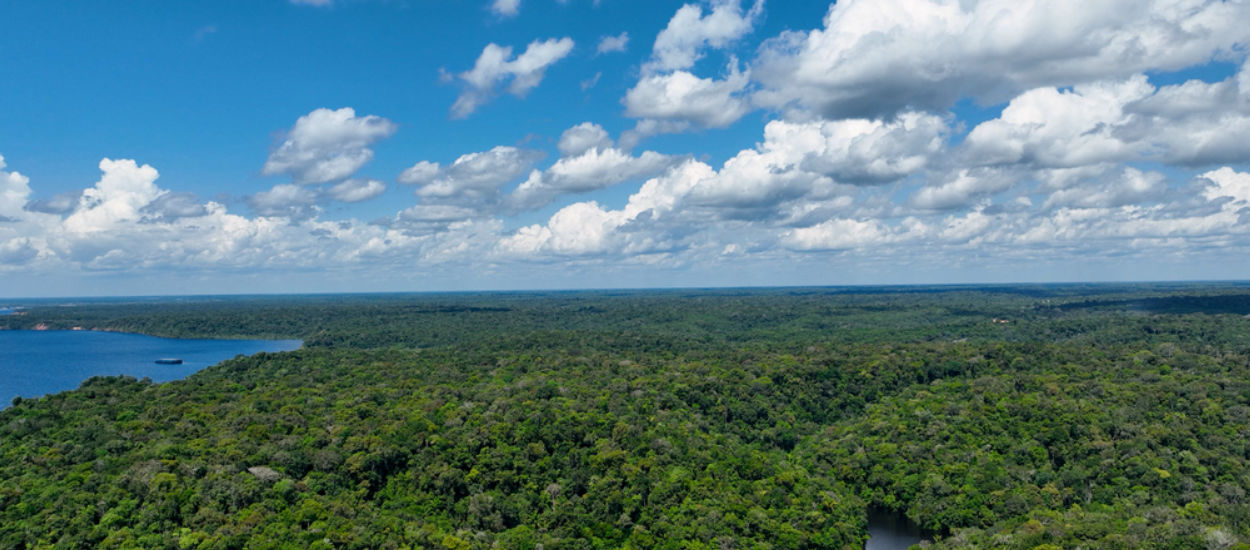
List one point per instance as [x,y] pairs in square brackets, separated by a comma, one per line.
[889,530]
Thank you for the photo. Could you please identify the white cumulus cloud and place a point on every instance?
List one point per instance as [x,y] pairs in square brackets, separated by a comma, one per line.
[690,31]
[592,169]
[962,188]
[1228,183]
[683,98]
[1130,186]
[587,229]
[473,179]
[862,150]
[669,97]
[123,190]
[421,172]
[327,145]
[1108,121]
[356,190]
[837,234]
[496,65]
[877,57]
[14,192]
[583,137]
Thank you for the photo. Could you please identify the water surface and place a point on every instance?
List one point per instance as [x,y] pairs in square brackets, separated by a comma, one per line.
[35,363]
[889,530]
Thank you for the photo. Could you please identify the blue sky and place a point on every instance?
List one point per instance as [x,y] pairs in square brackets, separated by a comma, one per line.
[361,145]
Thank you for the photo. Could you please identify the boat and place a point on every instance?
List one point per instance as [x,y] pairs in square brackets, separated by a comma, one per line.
[168,361]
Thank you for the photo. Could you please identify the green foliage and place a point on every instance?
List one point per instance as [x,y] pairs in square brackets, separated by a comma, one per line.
[1076,448]
[676,419]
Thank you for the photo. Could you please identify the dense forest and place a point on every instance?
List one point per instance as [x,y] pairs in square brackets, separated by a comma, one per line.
[1030,416]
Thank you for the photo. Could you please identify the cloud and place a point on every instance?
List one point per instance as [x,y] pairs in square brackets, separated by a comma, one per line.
[583,137]
[684,98]
[285,200]
[126,223]
[594,168]
[318,3]
[171,205]
[609,43]
[862,160]
[17,252]
[356,190]
[14,191]
[837,234]
[690,31]
[971,227]
[962,188]
[878,57]
[447,222]
[579,228]
[589,161]
[1227,183]
[60,203]
[1194,123]
[435,212]
[496,65]
[668,97]
[123,190]
[1101,229]
[326,146]
[1107,121]
[474,179]
[506,8]
[591,82]
[587,229]
[1130,186]
[763,205]
[817,161]
[648,127]
[801,170]
[1052,128]
[863,151]
[421,172]
[754,183]
[110,225]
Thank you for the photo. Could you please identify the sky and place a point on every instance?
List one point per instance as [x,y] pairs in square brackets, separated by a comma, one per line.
[290,146]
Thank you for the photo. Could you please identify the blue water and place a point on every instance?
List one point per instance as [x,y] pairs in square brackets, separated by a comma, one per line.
[35,363]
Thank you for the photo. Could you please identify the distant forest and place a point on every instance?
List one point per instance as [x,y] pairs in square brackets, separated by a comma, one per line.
[1008,416]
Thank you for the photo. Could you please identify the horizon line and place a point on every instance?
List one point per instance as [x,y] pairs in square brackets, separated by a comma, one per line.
[1230,282]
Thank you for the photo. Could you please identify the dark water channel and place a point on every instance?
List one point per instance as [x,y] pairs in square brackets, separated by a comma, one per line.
[888,530]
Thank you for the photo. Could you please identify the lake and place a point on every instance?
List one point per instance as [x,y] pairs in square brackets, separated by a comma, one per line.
[35,363]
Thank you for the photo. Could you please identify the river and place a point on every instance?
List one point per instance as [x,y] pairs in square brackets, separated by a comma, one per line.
[35,363]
